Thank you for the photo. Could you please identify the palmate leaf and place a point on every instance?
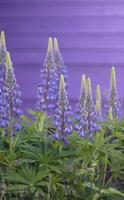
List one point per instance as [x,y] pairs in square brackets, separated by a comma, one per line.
[85,152]
[49,160]
[8,159]
[47,155]
[108,145]
[27,175]
[112,191]
[11,154]
[16,187]
[27,178]
[104,191]
[56,181]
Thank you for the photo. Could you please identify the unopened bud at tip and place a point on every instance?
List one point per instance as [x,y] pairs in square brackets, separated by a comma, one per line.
[113,78]
[83,82]
[2,39]
[89,90]
[50,45]
[8,61]
[62,82]
[56,47]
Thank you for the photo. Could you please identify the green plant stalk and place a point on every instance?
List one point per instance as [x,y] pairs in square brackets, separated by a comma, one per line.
[104,176]
[92,187]
[41,123]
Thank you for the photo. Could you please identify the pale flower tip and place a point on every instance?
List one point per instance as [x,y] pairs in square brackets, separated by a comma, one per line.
[56,47]
[113,78]
[113,68]
[62,82]
[98,107]
[8,60]
[83,77]
[110,114]
[2,39]
[98,94]
[50,45]
[89,85]
[83,82]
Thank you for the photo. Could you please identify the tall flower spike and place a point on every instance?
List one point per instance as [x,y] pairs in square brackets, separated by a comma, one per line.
[63,117]
[10,101]
[113,96]
[89,116]
[47,90]
[98,101]
[61,68]
[80,106]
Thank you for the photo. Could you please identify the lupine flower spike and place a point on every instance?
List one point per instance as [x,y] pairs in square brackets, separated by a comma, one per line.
[89,116]
[47,90]
[63,117]
[113,96]
[61,68]
[10,101]
[98,102]
[80,106]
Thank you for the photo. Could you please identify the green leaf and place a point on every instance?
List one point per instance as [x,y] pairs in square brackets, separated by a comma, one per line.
[112,191]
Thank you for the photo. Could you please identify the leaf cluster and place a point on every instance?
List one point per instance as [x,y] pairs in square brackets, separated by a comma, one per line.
[33,166]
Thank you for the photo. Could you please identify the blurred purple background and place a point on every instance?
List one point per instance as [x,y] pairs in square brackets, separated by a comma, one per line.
[90,35]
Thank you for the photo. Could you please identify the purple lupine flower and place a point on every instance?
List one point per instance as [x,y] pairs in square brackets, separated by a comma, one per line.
[10,101]
[47,90]
[60,65]
[113,100]
[89,116]
[78,126]
[63,116]
[3,51]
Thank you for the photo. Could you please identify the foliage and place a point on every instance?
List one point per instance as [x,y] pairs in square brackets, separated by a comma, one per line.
[35,166]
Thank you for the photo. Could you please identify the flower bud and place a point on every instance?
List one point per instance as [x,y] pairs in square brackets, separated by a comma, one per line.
[2,40]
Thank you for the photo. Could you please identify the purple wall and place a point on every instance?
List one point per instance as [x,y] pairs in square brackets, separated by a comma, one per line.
[90,33]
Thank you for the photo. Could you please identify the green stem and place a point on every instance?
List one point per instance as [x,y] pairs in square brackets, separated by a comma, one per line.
[104,173]
[92,189]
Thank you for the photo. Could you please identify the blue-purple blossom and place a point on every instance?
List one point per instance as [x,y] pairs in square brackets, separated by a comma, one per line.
[60,65]
[63,116]
[89,115]
[78,126]
[113,100]
[48,88]
[10,101]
